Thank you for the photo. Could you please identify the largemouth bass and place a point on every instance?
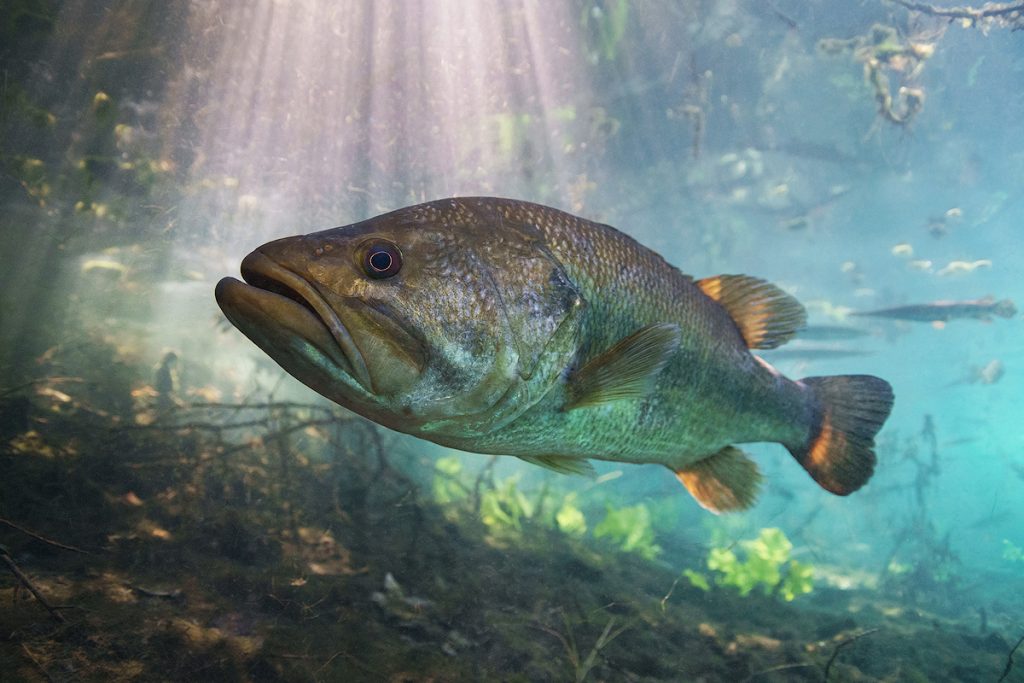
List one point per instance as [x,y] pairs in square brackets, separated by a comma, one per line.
[500,326]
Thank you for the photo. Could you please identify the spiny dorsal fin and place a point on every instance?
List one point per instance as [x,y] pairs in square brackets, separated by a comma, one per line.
[562,463]
[766,316]
[723,482]
[626,370]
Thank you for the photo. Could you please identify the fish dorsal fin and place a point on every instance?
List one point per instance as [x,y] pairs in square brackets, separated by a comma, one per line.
[626,370]
[562,464]
[723,482]
[766,316]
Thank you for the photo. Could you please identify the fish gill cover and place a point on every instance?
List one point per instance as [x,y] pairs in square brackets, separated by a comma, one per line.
[175,506]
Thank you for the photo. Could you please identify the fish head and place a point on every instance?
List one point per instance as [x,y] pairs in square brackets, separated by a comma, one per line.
[427,316]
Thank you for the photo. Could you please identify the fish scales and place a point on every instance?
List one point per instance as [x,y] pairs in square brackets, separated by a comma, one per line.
[696,404]
[500,326]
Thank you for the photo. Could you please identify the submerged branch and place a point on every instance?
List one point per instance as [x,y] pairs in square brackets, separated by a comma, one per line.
[35,660]
[1009,660]
[7,391]
[840,646]
[27,582]
[1011,11]
[773,669]
[989,9]
[43,539]
[485,472]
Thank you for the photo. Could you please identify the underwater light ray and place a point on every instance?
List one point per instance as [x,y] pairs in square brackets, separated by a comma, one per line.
[544,83]
[312,112]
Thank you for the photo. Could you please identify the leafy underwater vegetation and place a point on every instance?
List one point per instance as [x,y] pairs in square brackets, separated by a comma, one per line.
[767,564]
[503,507]
[221,541]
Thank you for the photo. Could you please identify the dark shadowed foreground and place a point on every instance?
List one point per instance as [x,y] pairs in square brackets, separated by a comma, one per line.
[212,542]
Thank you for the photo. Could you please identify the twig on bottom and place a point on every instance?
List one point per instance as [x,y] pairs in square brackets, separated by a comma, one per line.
[840,646]
[27,582]
[1009,660]
[34,660]
[772,669]
[44,539]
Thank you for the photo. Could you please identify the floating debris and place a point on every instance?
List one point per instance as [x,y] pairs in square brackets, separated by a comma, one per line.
[939,226]
[958,267]
[884,50]
[991,372]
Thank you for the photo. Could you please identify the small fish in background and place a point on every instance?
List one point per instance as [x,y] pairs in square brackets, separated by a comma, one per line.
[815,353]
[986,374]
[505,327]
[830,333]
[938,313]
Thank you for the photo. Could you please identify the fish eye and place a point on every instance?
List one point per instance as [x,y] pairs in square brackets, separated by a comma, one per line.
[382,260]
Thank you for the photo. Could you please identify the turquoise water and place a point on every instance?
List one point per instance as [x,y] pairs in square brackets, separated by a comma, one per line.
[147,147]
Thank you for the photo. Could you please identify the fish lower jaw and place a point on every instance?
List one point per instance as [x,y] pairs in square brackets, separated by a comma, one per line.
[263,273]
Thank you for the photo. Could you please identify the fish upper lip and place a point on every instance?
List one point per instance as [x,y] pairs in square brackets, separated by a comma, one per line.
[262,272]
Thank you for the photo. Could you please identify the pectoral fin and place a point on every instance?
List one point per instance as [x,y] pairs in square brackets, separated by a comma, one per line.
[723,482]
[766,316]
[561,464]
[626,370]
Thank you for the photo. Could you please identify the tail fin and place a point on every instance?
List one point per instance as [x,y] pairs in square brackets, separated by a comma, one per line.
[840,454]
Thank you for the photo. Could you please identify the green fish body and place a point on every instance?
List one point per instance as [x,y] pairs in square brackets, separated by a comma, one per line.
[500,326]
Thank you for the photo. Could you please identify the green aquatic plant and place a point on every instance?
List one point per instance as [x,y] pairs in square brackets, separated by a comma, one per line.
[15,102]
[606,23]
[581,666]
[32,175]
[513,130]
[447,486]
[569,518]
[505,506]
[1012,552]
[766,563]
[629,528]
[697,579]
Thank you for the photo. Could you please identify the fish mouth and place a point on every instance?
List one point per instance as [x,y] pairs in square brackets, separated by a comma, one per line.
[274,295]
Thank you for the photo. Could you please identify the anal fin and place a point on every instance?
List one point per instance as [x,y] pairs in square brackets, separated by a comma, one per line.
[766,316]
[723,482]
[626,370]
[562,464]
